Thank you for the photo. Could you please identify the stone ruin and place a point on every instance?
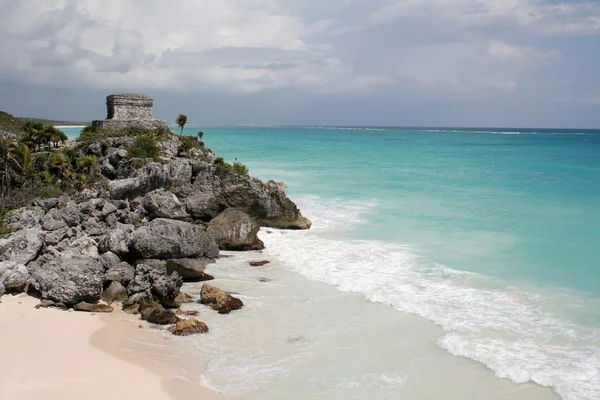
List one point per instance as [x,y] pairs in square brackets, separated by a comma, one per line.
[127,110]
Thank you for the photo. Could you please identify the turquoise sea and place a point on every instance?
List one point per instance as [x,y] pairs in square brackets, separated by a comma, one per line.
[491,234]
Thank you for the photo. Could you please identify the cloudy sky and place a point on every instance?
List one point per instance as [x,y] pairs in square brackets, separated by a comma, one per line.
[341,62]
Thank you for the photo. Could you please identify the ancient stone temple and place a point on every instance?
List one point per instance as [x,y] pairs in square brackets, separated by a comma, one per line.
[125,110]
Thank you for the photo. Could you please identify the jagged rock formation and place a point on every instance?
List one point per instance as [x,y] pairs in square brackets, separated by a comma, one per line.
[139,235]
[125,110]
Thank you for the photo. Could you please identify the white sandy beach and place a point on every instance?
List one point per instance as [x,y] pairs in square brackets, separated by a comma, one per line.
[51,354]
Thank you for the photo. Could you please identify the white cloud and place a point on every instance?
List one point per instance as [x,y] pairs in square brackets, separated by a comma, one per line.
[128,43]
[521,54]
[255,45]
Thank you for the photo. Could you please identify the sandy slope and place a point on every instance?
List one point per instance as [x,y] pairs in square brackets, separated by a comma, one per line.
[48,354]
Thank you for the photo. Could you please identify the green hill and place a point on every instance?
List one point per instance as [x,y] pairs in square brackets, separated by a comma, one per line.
[11,124]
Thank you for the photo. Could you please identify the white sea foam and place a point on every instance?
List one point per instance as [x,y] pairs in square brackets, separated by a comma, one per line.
[509,330]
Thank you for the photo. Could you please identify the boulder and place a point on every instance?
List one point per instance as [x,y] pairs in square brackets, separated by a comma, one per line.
[219,300]
[233,229]
[13,276]
[155,283]
[2,289]
[114,292]
[59,218]
[52,238]
[158,315]
[259,263]
[93,307]
[132,308]
[168,239]
[188,327]
[190,269]
[116,240]
[214,190]
[108,260]
[164,204]
[122,273]
[176,302]
[22,246]
[67,280]
[26,217]
[95,149]
[187,313]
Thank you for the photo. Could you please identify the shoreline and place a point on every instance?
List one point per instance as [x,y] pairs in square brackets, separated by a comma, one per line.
[80,353]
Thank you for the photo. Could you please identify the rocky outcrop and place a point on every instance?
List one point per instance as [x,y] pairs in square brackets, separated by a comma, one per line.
[168,239]
[67,280]
[214,191]
[219,300]
[233,229]
[188,327]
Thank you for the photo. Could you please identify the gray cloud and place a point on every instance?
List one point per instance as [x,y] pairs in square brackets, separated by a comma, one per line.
[341,54]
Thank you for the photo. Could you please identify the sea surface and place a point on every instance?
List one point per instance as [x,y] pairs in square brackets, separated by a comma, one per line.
[442,264]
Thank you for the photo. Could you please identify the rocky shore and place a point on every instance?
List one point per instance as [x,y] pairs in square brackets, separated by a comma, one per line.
[134,240]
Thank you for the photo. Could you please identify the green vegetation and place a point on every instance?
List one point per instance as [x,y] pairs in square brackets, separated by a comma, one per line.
[91,135]
[5,229]
[34,166]
[181,121]
[236,168]
[145,146]
[10,124]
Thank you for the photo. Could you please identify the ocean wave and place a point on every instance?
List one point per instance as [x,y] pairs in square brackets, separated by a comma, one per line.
[511,331]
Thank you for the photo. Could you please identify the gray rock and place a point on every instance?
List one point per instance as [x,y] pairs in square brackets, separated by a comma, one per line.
[95,148]
[22,246]
[190,269]
[26,217]
[214,191]
[109,260]
[168,239]
[114,292]
[2,289]
[161,203]
[94,227]
[79,244]
[52,238]
[13,276]
[122,273]
[46,203]
[156,282]
[116,241]
[60,218]
[108,209]
[233,229]
[67,280]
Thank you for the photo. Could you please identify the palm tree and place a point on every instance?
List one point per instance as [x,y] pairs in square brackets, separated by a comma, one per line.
[10,166]
[23,155]
[34,135]
[59,136]
[181,121]
[88,164]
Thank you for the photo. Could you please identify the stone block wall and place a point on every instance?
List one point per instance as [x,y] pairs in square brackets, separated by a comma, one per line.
[129,107]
